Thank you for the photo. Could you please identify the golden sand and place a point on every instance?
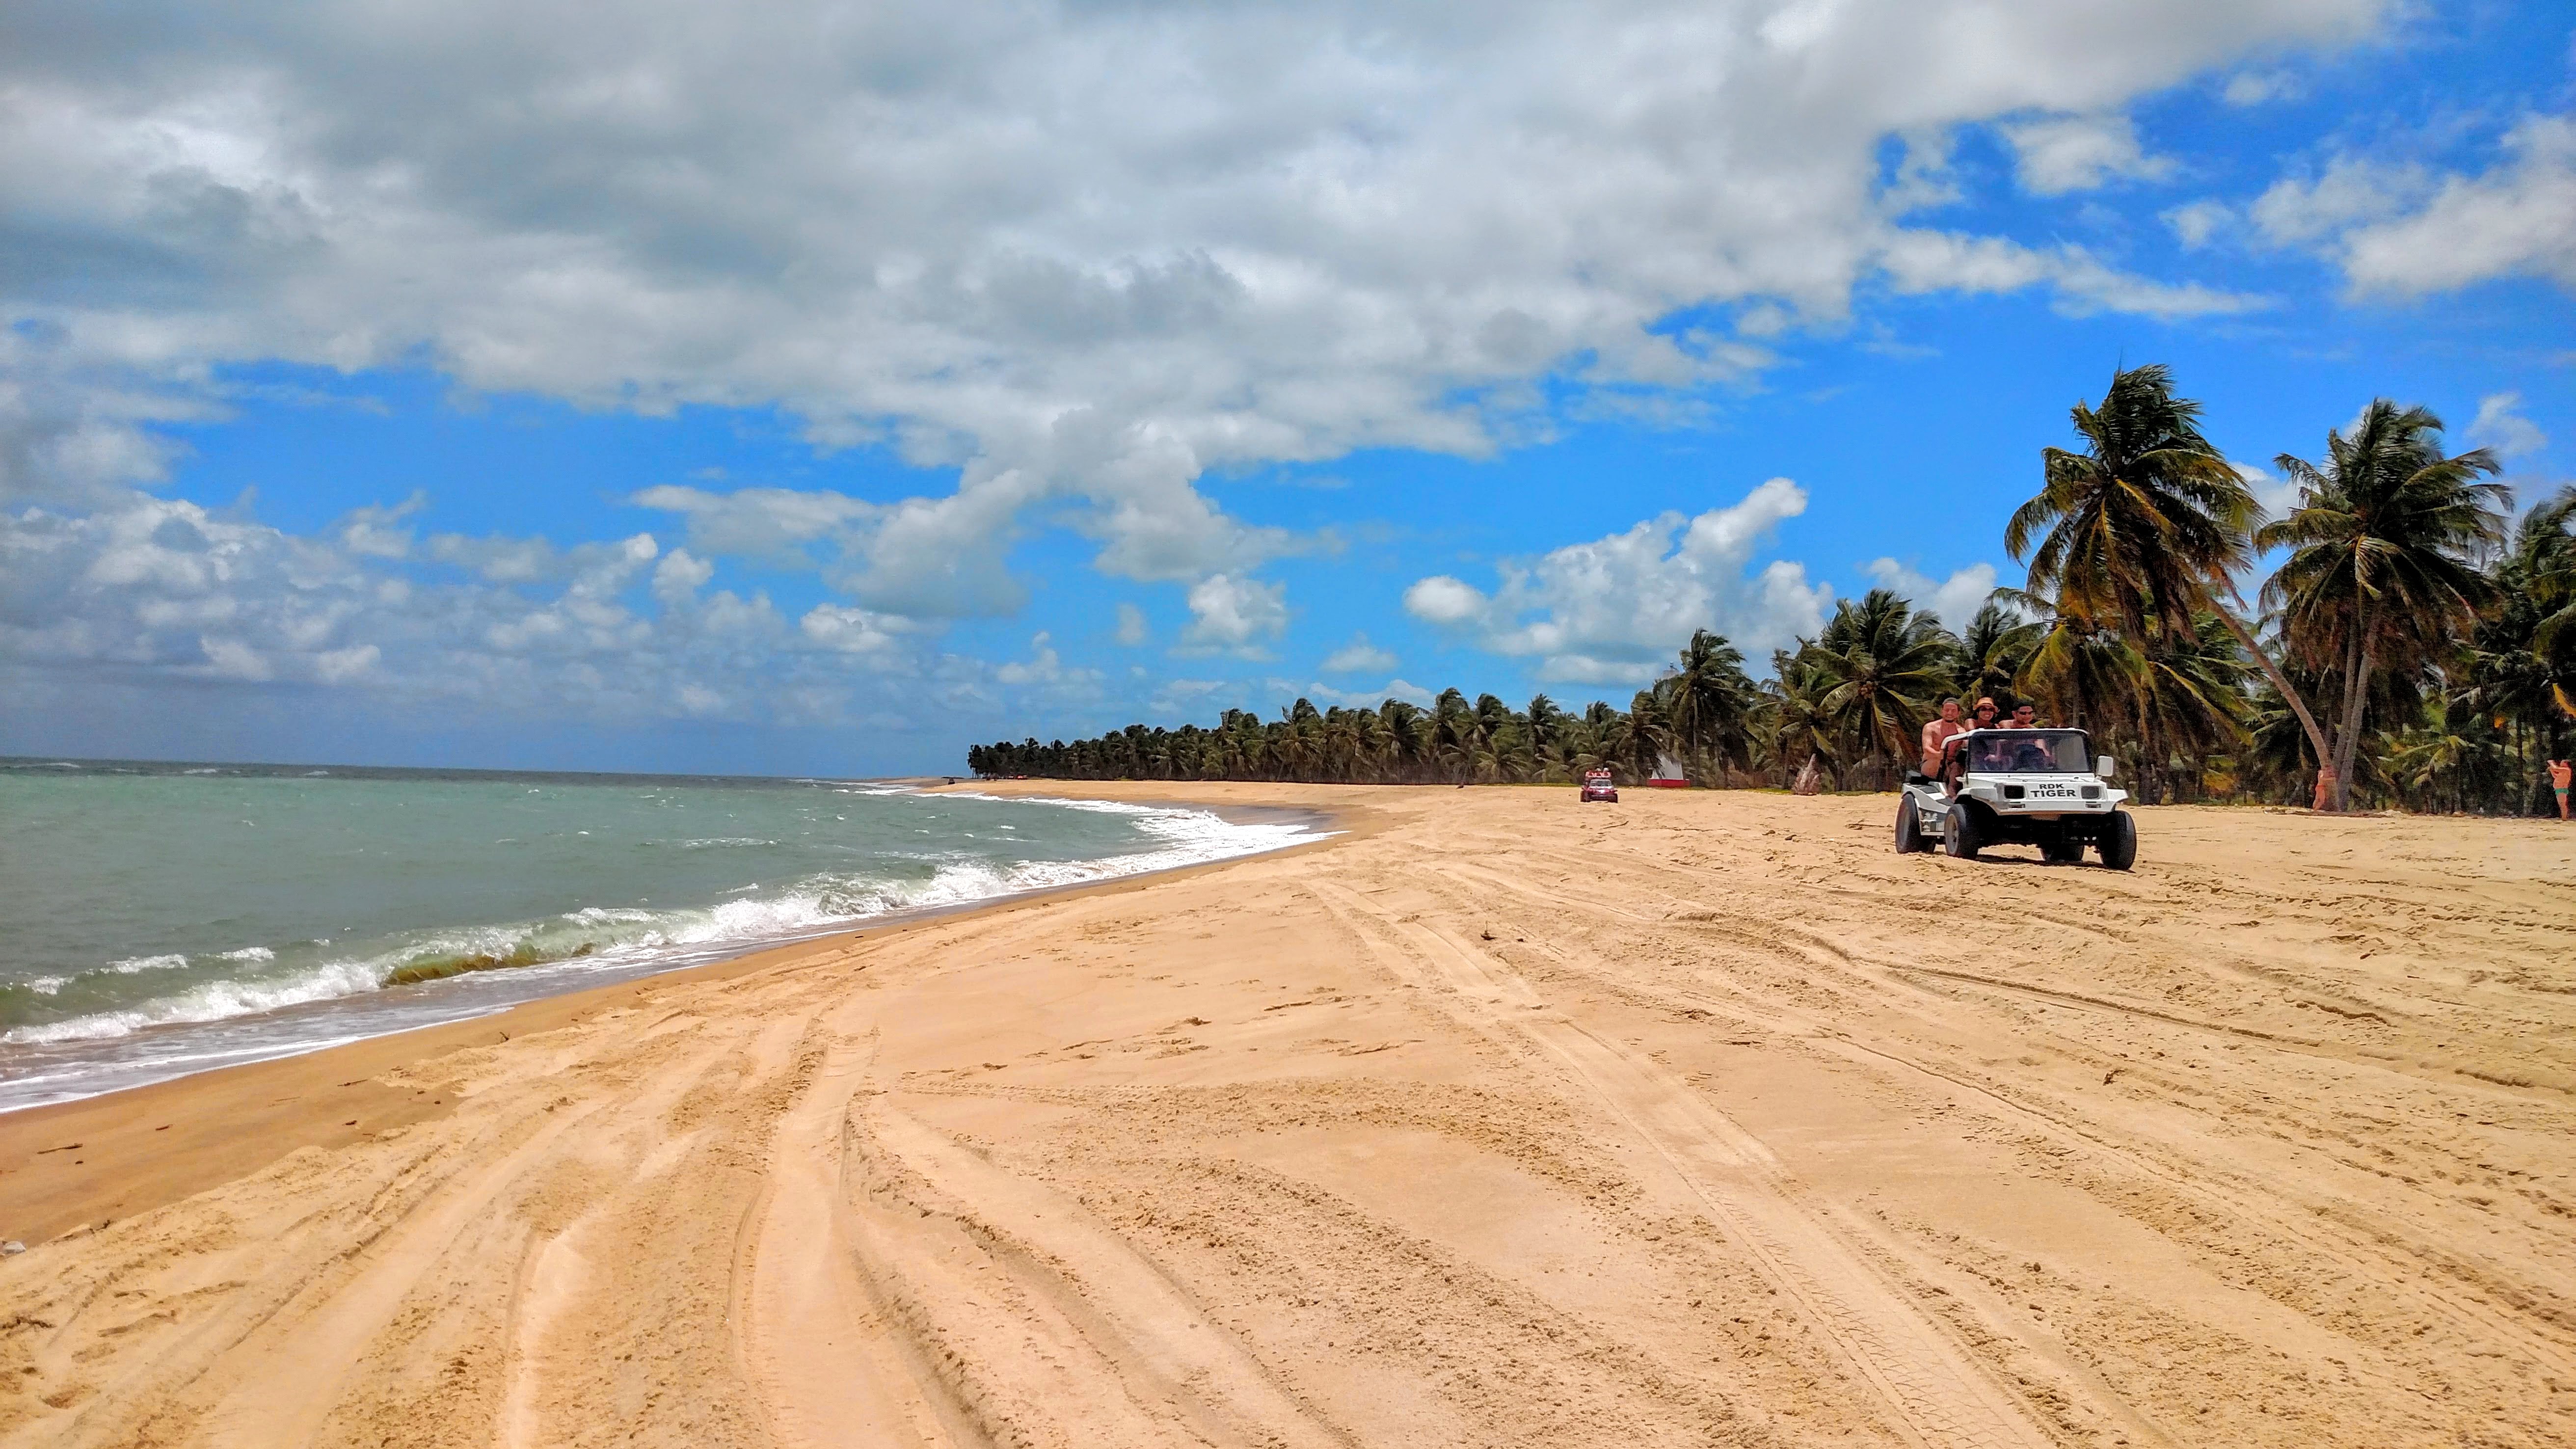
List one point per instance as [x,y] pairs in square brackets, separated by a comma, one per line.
[1501,1120]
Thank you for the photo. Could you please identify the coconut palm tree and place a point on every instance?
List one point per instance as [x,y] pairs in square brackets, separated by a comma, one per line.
[1884,664]
[1993,649]
[1710,697]
[2147,527]
[1795,728]
[2383,553]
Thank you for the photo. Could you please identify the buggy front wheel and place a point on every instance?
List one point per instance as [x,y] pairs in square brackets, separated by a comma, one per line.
[1959,832]
[2119,842]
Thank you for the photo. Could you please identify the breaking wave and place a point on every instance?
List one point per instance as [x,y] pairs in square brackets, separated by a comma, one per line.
[593,939]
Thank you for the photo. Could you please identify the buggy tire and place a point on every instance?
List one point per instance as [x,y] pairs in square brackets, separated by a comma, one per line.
[2119,842]
[1959,832]
[2062,851]
[1909,828]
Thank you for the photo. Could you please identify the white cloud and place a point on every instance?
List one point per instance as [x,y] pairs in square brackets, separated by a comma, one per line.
[1229,612]
[2404,230]
[1441,599]
[845,630]
[2254,87]
[1044,667]
[1955,599]
[145,593]
[679,576]
[1177,697]
[2059,154]
[1358,657]
[2195,222]
[1613,610]
[2349,191]
[2517,219]
[773,525]
[1929,261]
[1131,626]
[1413,694]
[1082,254]
[2501,426]
[2278,496]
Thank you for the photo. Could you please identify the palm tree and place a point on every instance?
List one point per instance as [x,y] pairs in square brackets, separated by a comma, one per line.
[1885,664]
[1993,649]
[2191,705]
[1709,699]
[2147,527]
[1795,728]
[2382,548]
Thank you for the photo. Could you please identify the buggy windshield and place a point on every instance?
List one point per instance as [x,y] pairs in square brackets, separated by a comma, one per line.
[2029,752]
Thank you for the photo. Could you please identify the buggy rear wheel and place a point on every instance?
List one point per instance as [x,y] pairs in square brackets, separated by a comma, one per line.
[1909,828]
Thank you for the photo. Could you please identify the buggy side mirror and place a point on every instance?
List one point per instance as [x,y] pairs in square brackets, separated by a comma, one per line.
[2105,766]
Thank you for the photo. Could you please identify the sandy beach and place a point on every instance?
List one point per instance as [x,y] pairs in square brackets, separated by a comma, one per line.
[1700,1119]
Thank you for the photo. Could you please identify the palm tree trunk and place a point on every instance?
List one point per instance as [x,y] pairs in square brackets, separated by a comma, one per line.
[2356,696]
[2280,681]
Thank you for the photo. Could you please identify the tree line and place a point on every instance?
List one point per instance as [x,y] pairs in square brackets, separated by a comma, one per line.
[2413,648]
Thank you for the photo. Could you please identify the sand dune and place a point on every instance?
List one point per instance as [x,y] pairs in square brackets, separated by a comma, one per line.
[1701,1119]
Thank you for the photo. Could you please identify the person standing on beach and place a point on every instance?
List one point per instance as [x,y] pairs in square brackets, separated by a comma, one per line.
[2560,773]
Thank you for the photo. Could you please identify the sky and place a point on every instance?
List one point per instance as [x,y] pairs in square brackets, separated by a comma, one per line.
[814,389]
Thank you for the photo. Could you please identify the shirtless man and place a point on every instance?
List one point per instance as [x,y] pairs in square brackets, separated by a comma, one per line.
[1939,732]
[2025,716]
[2561,774]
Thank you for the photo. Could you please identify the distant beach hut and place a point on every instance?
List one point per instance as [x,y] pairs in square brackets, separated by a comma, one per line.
[1668,774]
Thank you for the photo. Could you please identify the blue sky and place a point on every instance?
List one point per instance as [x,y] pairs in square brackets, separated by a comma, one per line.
[811,390]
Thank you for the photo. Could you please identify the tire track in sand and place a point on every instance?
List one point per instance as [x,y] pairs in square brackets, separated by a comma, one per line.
[812,1335]
[901,1289]
[1936,1395]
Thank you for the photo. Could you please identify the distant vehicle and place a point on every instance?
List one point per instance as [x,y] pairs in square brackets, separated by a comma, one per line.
[1597,785]
[2023,787]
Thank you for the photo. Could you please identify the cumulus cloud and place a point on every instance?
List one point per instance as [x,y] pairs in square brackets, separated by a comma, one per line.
[1613,610]
[1358,657]
[141,593]
[1410,693]
[2194,223]
[2407,230]
[1929,261]
[2277,495]
[1131,626]
[1076,256]
[2516,219]
[1955,599]
[1235,614]
[2501,426]
[1045,668]
[2059,154]
[2255,87]
[1081,253]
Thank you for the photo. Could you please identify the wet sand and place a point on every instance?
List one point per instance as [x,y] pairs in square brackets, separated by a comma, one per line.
[1703,1118]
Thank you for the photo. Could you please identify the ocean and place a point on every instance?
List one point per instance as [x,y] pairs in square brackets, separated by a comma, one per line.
[162,919]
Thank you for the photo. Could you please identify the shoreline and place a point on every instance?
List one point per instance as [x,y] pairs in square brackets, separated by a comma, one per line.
[231,1120]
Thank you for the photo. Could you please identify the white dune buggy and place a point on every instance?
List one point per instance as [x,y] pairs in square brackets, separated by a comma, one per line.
[2038,787]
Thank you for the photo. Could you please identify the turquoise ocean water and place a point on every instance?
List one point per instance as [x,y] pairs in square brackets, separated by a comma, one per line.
[159,919]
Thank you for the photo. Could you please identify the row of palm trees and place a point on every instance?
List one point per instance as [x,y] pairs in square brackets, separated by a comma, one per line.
[2410,649]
